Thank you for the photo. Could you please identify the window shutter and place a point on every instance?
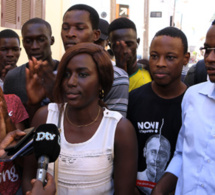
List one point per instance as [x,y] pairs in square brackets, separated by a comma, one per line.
[14,13]
[25,15]
[39,11]
[9,13]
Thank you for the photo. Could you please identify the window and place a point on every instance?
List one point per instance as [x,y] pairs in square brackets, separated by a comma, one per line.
[14,13]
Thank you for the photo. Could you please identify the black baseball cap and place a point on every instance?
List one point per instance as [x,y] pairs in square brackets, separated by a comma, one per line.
[103,27]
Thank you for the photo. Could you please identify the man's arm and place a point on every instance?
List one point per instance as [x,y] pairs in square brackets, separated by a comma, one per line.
[39,81]
[165,185]
[117,98]
[39,84]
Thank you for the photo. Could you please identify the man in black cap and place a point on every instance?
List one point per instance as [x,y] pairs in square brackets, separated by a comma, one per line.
[103,27]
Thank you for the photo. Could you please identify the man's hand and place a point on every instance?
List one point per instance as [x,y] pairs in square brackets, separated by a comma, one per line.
[39,81]
[45,72]
[5,70]
[122,54]
[48,189]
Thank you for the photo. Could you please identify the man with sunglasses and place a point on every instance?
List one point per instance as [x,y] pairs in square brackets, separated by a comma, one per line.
[192,169]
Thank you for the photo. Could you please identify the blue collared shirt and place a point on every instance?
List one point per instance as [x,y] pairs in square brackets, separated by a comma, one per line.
[194,158]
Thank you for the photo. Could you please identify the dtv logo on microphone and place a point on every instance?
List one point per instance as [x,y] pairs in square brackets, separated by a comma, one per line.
[48,136]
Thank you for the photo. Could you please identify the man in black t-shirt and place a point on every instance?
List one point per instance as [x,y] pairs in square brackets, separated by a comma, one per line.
[155,108]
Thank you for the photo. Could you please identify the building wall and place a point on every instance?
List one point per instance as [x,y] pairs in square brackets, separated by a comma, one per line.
[156,24]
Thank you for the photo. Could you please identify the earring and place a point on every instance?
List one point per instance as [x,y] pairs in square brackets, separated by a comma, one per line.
[101,93]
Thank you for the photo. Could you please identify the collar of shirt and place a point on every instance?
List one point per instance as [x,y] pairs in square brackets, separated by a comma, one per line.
[209,90]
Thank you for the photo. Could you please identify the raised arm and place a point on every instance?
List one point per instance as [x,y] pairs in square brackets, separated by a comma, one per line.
[117,98]
[125,158]
[39,80]
[34,83]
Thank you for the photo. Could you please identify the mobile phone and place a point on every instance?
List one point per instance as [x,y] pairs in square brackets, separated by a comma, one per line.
[14,146]
[11,156]
[23,146]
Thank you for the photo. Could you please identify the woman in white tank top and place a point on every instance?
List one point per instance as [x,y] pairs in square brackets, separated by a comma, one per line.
[98,146]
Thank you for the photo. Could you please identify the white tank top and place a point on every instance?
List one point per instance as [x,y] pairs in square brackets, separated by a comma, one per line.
[86,168]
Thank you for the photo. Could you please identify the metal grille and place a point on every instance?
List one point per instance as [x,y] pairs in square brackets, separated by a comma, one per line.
[38,8]
[10,13]
[26,9]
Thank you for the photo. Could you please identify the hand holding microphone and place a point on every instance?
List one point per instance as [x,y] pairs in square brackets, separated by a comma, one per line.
[46,148]
[38,188]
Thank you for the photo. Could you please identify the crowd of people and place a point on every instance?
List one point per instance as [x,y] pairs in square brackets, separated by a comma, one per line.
[126,126]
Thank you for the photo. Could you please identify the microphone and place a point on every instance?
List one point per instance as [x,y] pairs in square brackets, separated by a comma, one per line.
[46,148]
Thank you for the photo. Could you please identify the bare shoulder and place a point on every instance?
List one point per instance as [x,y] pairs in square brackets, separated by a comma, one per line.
[40,116]
[125,131]
[124,125]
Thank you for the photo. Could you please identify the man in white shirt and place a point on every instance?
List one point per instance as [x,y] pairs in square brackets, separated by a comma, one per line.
[192,169]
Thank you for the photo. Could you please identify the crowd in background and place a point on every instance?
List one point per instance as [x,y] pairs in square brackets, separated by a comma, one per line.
[127,126]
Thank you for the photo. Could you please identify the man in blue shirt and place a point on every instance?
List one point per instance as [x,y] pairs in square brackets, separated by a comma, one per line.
[192,169]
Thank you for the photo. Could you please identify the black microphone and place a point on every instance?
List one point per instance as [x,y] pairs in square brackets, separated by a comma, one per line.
[46,148]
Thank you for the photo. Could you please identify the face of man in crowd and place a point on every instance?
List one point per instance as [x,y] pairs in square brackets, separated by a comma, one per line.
[9,51]
[167,59]
[129,37]
[157,153]
[37,41]
[77,28]
[209,56]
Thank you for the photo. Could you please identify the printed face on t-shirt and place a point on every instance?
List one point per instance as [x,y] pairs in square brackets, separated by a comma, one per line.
[157,154]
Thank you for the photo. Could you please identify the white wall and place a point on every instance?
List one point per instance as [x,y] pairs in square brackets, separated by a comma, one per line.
[156,24]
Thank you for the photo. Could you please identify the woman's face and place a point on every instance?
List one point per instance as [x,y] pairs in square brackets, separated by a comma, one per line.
[81,81]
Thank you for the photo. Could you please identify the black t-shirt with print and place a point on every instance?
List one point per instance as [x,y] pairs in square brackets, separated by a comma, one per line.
[157,122]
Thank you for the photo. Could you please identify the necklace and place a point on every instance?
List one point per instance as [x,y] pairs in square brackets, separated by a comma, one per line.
[82,125]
